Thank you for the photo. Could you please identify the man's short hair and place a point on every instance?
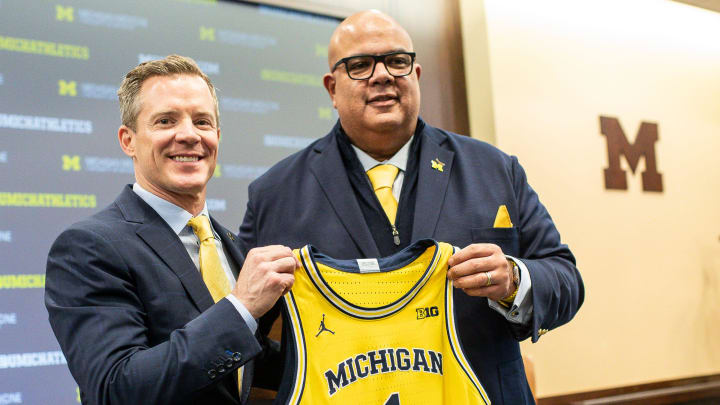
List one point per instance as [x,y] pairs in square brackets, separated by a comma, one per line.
[171,65]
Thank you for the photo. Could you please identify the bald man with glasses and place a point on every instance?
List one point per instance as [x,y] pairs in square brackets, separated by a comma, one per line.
[383,178]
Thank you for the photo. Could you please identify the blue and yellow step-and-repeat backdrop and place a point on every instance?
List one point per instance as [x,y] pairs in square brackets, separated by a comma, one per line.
[60,66]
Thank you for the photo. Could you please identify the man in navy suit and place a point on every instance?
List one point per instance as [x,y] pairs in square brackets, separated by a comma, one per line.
[514,278]
[124,289]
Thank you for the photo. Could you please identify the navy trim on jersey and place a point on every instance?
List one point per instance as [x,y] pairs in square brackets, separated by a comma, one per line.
[390,263]
[296,312]
[452,335]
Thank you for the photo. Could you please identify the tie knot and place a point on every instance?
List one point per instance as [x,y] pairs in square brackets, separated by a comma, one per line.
[382,176]
[201,225]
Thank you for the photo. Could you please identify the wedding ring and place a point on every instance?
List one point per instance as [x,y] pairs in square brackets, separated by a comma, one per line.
[489,279]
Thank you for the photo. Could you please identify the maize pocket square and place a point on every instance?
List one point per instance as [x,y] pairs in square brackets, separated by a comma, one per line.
[502,218]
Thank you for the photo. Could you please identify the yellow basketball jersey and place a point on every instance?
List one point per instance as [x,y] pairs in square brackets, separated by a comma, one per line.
[377,331]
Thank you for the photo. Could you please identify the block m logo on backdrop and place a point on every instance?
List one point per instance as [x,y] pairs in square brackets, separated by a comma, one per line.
[644,146]
[63,13]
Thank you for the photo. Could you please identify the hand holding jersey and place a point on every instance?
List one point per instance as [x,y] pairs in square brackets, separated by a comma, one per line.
[269,275]
[481,270]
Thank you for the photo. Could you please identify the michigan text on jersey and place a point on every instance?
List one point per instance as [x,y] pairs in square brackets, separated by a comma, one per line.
[382,361]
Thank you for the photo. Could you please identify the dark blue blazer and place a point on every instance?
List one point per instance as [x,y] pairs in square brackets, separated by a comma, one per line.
[134,318]
[307,198]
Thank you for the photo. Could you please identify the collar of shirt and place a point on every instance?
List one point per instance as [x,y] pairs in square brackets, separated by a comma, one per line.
[399,159]
[178,218]
[175,216]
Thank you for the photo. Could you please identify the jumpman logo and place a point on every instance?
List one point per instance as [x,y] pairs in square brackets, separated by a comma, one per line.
[322,327]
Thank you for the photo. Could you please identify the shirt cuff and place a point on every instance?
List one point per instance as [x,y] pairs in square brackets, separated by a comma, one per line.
[521,310]
[249,320]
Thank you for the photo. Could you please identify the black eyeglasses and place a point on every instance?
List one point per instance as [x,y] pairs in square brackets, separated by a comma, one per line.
[362,67]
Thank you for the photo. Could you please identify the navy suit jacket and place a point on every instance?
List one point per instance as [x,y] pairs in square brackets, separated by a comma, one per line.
[134,318]
[308,198]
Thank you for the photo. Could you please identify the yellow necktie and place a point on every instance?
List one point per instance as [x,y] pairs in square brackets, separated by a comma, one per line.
[382,178]
[210,268]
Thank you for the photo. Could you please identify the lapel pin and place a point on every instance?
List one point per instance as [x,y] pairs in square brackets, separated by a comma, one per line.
[437,164]
[230,235]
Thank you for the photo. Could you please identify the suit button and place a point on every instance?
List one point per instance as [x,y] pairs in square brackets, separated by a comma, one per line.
[228,363]
[221,369]
[237,357]
[212,374]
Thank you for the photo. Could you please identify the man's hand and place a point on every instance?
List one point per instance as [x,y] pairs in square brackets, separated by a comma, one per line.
[267,274]
[471,266]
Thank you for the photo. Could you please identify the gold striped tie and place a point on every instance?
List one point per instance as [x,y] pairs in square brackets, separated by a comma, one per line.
[382,178]
[210,268]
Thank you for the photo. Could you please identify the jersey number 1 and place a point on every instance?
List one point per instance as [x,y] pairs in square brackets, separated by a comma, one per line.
[394,399]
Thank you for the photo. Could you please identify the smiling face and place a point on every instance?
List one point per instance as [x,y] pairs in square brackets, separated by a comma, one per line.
[175,145]
[379,114]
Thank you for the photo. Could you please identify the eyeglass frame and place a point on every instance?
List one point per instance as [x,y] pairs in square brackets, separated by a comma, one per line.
[376,59]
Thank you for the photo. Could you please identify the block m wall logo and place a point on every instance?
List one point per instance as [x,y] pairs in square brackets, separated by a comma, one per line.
[68,88]
[71,163]
[644,146]
[207,33]
[63,13]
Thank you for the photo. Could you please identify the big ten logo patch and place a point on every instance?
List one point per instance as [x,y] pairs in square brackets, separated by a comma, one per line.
[618,145]
[427,312]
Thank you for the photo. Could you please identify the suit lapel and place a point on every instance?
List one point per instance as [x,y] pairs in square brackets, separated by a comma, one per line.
[432,184]
[330,174]
[165,243]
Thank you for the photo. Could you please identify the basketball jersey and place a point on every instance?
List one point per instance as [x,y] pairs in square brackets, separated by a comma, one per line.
[375,331]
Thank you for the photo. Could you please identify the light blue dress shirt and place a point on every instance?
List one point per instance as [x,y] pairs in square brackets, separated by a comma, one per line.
[177,218]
